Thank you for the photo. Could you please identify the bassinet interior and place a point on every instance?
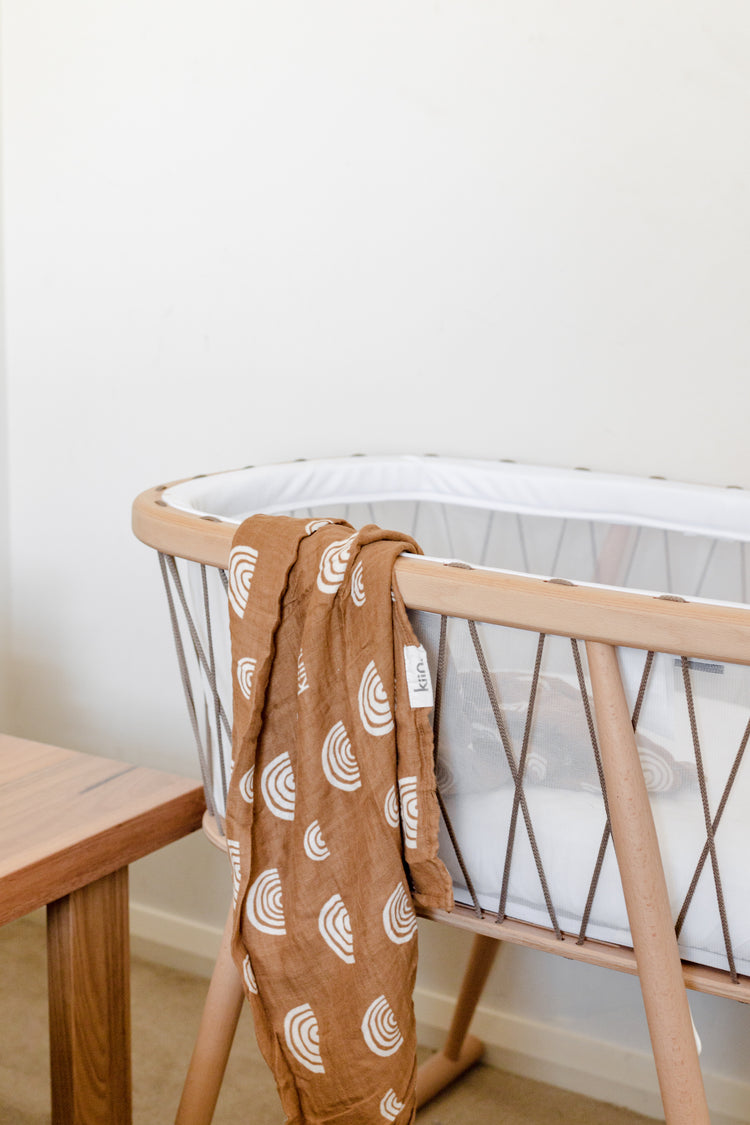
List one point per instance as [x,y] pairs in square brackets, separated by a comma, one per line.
[510,701]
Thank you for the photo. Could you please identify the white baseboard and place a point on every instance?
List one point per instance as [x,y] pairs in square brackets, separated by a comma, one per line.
[597,1069]
[180,943]
[586,1065]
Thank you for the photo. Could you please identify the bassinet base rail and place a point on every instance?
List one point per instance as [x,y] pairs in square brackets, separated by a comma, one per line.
[698,978]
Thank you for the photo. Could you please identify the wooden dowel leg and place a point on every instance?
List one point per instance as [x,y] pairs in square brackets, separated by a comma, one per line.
[215,1036]
[482,958]
[460,1050]
[646,898]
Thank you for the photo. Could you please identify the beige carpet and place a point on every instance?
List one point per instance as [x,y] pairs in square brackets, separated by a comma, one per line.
[166,1007]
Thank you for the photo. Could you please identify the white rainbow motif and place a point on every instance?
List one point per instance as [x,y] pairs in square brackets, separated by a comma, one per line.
[249,977]
[242,562]
[374,708]
[390,1106]
[314,844]
[278,787]
[246,785]
[399,919]
[303,1037]
[335,927]
[358,586]
[407,788]
[380,1029]
[302,681]
[657,771]
[245,670]
[264,906]
[233,851]
[333,563]
[315,525]
[339,763]
[391,807]
[536,767]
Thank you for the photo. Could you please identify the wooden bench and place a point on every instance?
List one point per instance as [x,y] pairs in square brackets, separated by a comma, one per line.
[70,824]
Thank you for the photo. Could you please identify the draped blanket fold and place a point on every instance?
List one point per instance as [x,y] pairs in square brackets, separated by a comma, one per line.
[332,817]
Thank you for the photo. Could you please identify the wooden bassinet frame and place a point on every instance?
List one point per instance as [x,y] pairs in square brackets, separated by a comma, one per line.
[601,619]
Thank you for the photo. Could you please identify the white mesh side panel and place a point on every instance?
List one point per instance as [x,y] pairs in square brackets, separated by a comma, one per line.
[563,794]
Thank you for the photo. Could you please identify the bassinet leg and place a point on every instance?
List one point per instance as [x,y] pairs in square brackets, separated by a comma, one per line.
[215,1035]
[645,891]
[460,1051]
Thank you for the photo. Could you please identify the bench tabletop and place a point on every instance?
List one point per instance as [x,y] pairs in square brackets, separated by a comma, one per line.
[68,818]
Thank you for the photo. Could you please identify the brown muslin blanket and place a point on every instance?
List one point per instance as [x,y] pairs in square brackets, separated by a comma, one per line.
[332,818]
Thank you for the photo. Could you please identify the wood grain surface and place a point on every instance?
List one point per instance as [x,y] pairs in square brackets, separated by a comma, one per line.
[70,824]
[67,819]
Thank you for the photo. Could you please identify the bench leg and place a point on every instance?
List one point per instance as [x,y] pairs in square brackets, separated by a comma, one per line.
[88,966]
[460,1050]
[215,1035]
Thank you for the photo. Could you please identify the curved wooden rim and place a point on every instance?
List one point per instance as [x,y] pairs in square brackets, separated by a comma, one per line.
[201,539]
[611,616]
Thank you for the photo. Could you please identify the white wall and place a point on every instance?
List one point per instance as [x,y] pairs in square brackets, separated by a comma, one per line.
[242,232]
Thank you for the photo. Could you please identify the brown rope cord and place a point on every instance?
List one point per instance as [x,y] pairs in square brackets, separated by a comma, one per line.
[187,688]
[213,684]
[717,819]
[504,738]
[436,712]
[586,702]
[648,665]
[602,785]
[709,847]
[200,654]
[440,677]
[607,832]
[585,917]
[710,842]
[521,770]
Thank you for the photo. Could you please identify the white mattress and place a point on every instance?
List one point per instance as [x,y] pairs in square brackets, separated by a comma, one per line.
[568,828]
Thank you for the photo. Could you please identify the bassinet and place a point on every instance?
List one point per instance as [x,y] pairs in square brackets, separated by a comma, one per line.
[547,742]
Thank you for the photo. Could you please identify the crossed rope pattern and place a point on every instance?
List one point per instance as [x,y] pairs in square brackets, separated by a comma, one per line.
[520,805]
[209,755]
[206,660]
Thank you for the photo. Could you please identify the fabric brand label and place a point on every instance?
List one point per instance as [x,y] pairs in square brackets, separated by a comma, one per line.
[701,666]
[418,676]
